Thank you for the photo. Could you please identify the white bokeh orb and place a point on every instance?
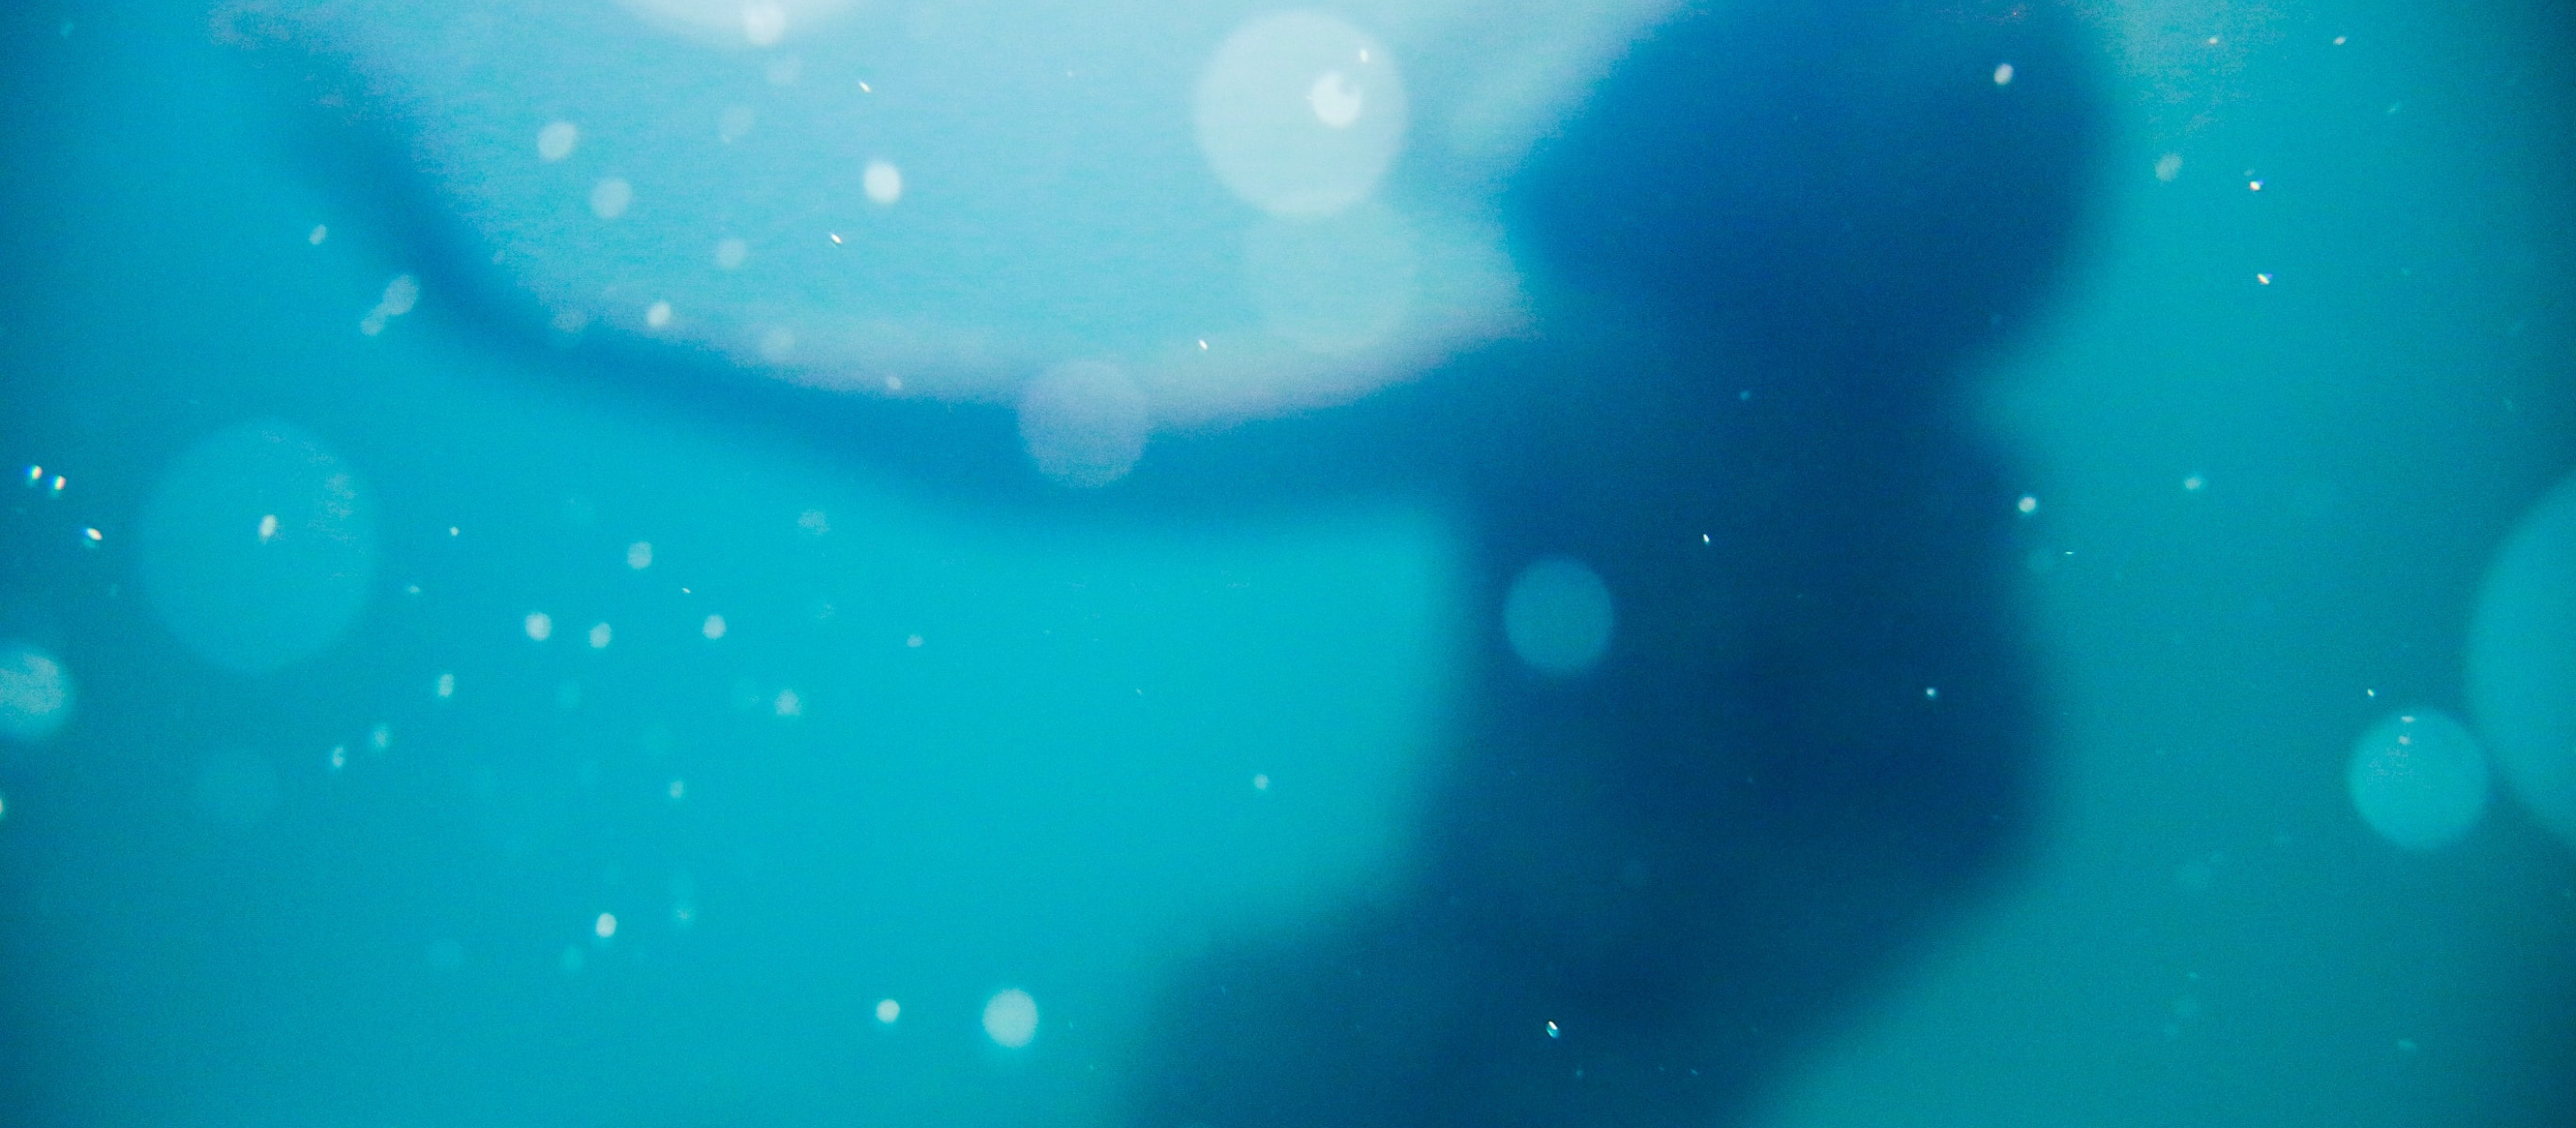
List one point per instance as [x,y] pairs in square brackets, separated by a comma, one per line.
[2522,661]
[1300,113]
[1084,423]
[35,692]
[1011,1018]
[258,548]
[2418,778]
[1557,616]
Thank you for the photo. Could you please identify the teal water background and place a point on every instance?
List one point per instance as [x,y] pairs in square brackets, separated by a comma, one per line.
[1056,786]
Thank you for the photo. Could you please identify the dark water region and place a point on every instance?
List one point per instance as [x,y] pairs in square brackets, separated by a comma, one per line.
[1926,607]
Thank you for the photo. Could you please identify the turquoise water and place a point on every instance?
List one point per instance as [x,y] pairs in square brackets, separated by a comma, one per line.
[437,693]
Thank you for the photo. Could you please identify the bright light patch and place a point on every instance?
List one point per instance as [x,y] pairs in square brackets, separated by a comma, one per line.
[610,198]
[539,625]
[1300,114]
[639,555]
[267,527]
[241,602]
[399,297]
[446,686]
[763,24]
[1084,423]
[1336,284]
[657,315]
[2419,779]
[2522,661]
[319,233]
[787,704]
[2168,167]
[555,141]
[605,926]
[1557,616]
[889,1010]
[35,693]
[1011,1018]
[2003,74]
[2027,504]
[599,635]
[882,182]
[713,628]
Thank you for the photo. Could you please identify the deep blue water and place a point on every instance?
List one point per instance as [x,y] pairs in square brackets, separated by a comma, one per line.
[1790,573]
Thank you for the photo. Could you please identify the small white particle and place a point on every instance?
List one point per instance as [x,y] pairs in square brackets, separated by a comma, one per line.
[610,198]
[639,555]
[318,234]
[446,686]
[2027,504]
[882,182]
[605,926]
[713,628]
[555,141]
[787,704]
[540,625]
[888,1010]
[2003,74]
[598,636]
[657,315]
[1260,781]
[912,641]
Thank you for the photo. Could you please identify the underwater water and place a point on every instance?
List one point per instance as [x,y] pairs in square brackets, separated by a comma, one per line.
[666,562]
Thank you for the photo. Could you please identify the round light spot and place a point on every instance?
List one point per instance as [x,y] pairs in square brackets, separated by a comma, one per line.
[639,555]
[1011,1018]
[599,636]
[1557,616]
[882,182]
[889,1010]
[539,625]
[605,926]
[1300,113]
[763,24]
[446,687]
[2003,74]
[556,140]
[2419,779]
[787,704]
[657,315]
[1084,423]
[1332,284]
[730,253]
[236,789]
[2522,661]
[2168,167]
[609,198]
[242,601]
[713,628]
[35,693]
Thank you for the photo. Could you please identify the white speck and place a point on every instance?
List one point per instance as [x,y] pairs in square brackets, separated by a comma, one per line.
[731,252]
[836,237]
[713,628]
[605,926]
[2003,74]
[2263,279]
[2168,166]
[446,686]
[1011,1018]
[339,756]
[2253,185]
[451,530]
[2338,41]
[894,383]
[888,1010]
[657,315]
[555,141]
[94,535]
[2419,779]
[1703,538]
[1931,693]
[639,555]
[763,23]
[864,88]
[399,297]
[787,704]
[598,636]
[609,198]
[60,481]
[679,790]
[540,625]
[2027,504]
[1260,781]
[1202,344]
[318,234]
[883,182]
[380,737]
[913,641]
[1084,423]
[1552,1031]
[267,527]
